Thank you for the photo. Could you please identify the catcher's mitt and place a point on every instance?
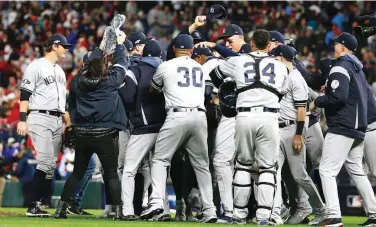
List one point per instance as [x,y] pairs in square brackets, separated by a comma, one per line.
[213,115]
[70,136]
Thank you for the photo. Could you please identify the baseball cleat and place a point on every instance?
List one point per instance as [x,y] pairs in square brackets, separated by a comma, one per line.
[38,210]
[108,212]
[239,221]
[150,212]
[320,216]
[61,210]
[332,222]
[224,219]
[369,223]
[180,210]
[277,220]
[265,222]
[209,219]
[297,218]
[162,217]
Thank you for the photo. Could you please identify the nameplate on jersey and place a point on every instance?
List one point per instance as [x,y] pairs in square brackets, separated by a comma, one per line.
[257,80]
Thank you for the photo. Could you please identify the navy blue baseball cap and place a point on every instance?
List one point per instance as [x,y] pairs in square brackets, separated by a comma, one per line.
[216,12]
[245,49]
[183,41]
[230,30]
[152,49]
[59,40]
[276,36]
[138,38]
[197,36]
[348,40]
[285,51]
[128,44]
[201,51]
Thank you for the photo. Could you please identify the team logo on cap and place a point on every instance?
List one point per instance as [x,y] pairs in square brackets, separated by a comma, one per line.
[212,10]
[57,41]
[137,41]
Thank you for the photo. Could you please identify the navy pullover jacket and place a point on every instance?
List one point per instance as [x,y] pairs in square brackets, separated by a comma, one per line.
[345,99]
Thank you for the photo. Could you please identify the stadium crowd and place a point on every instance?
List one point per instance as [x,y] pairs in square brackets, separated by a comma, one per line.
[25,26]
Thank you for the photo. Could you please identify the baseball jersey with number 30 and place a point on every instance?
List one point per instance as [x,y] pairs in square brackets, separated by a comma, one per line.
[182,81]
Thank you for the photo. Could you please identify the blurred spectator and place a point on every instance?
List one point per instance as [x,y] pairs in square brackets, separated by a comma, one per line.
[24,172]
[2,173]
[66,163]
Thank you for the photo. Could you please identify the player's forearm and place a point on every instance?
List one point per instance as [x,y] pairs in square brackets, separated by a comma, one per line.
[300,120]
[24,107]
[67,118]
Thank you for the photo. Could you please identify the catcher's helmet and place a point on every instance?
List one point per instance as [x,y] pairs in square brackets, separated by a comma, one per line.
[227,98]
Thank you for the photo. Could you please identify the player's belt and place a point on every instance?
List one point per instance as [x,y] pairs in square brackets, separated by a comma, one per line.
[257,109]
[283,124]
[187,110]
[53,113]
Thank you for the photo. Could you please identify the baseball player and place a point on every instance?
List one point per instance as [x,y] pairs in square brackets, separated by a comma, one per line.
[43,95]
[292,148]
[345,104]
[370,137]
[146,111]
[259,79]
[185,125]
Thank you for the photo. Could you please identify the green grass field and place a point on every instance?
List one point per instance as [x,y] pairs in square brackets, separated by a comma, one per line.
[14,217]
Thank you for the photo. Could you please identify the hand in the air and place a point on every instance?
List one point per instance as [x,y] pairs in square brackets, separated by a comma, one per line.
[120,37]
[200,21]
[297,143]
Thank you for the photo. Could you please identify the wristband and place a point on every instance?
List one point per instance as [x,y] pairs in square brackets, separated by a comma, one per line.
[299,127]
[23,116]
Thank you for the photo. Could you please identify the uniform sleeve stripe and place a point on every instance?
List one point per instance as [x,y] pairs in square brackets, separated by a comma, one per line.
[218,73]
[118,65]
[131,75]
[155,86]
[22,88]
[339,69]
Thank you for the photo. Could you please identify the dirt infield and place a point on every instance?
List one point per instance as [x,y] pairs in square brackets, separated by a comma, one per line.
[7,214]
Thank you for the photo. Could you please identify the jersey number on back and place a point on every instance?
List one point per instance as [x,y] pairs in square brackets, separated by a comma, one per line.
[250,74]
[190,78]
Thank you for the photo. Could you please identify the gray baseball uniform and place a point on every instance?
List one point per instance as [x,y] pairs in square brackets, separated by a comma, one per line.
[256,129]
[182,82]
[224,150]
[47,84]
[296,96]
[369,148]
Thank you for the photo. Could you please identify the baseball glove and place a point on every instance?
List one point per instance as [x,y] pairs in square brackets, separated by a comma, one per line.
[213,114]
[70,136]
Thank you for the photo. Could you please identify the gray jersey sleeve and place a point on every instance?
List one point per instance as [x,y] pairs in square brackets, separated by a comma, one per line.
[299,90]
[30,78]
[157,81]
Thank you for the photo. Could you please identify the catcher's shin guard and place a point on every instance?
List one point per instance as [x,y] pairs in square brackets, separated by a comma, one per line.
[266,189]
[242,186]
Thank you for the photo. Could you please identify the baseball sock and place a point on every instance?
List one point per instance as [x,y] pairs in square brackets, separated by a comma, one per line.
[38,184]
[47,192]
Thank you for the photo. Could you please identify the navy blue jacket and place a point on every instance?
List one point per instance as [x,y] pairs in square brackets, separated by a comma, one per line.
[146,110]
[345,99]
[314,81]
[134,60]
[97,101]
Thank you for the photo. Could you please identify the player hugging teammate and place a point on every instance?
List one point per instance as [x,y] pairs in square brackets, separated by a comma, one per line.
[238,118]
